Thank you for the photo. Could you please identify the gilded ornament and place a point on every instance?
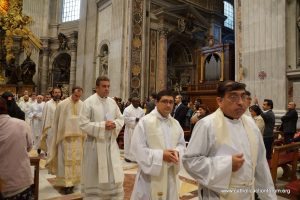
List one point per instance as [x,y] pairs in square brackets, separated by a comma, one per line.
[136,42]
[3,6]
[14,23]
[136,70]
[135,82]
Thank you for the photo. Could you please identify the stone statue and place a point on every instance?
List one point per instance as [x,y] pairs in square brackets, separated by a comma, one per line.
[181,24]
[63,42]
[13,72]
[104,63]
[185,78]
[28,70]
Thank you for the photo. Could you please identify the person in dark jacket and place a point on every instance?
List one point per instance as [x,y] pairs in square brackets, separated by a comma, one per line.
[180,110]
[269,119]
[12,107]
[289,123]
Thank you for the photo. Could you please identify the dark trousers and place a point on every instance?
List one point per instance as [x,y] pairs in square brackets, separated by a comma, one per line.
[25,195]
[268,141]
[288,137]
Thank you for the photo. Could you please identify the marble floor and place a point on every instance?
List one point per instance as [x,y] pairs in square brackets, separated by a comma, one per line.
[187,191]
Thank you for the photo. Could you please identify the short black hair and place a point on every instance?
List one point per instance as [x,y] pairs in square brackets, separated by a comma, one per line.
[256,109]
[153,95]
[76,88]
[228,86]
[248,93]
[269,102]
[164,93]
[101,78]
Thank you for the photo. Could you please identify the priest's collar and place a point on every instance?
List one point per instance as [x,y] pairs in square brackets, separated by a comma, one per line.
[101,98]
[160,116]
[232,120]
[228,116]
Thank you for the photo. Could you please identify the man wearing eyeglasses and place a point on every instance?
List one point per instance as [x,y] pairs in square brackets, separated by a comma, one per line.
[158,145]
[226,153]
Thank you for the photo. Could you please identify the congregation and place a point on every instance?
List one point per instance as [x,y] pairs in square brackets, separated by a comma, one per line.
[227,149]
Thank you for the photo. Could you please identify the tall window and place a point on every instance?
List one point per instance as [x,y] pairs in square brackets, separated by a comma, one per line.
[228,12]
[71,10]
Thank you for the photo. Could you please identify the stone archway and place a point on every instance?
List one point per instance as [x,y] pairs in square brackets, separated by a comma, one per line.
[181,67]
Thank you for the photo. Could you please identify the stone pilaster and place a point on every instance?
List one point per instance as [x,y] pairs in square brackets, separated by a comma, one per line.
[136,47]
[45,65]
[261,49]
[73,49]
[162,60]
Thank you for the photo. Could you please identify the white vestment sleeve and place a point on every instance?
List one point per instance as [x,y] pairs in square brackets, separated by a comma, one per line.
[149,160]
[213,172]
[88,125]
[119,121]
[129,120]
[262,174]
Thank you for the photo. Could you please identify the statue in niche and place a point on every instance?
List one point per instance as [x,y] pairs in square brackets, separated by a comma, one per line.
[13,72]
[181,25]
[61,69]
[104,63]
[28,70]
[185,78]
[63,42]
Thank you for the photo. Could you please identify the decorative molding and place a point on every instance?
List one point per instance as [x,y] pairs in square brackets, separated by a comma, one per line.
[136,47]
[163,32]
[102,4]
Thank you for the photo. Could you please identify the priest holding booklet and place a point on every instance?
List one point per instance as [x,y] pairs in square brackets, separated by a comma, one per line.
[226,153]
[158,145]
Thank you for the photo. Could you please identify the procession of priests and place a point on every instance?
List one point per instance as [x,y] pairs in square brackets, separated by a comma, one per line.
[225,155]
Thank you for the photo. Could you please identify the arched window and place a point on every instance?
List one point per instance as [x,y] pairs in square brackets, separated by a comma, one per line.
[71,10]
[228,12]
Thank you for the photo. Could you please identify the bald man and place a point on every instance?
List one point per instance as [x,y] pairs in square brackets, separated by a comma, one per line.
[289,122]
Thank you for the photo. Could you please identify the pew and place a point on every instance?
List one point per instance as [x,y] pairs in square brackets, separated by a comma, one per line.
[35,161]
[294,188]
[283,155]
[74,196]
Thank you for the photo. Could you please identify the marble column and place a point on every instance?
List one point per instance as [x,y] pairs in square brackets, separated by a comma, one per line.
[261,49]
[45,65]
[162,60]
[73,49]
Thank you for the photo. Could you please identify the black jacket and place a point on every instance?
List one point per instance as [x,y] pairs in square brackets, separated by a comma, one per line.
[180,114]
[269,119]
[289,121]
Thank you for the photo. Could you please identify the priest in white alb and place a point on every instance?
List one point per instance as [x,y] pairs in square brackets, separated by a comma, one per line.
[226,153]
[47,118]
[35,116]
[158,145]
[102,169]
[67,143]
[132,114]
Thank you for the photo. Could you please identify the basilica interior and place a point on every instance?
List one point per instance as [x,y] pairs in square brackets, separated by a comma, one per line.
[145,46]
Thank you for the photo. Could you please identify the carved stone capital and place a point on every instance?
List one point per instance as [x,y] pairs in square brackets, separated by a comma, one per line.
[163,32]
[46,51]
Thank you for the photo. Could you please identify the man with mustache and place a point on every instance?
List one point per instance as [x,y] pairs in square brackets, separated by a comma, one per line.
[226,153]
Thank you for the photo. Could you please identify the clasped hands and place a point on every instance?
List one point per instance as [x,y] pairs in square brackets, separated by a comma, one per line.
[110,125]
[171,156]
[237,162]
